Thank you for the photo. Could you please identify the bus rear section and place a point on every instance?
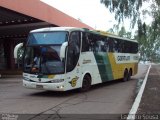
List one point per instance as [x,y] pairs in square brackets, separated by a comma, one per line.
[115,57]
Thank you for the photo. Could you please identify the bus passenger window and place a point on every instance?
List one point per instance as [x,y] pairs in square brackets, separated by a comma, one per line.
[85,42]
[106,45]
[111,45]
[115,45]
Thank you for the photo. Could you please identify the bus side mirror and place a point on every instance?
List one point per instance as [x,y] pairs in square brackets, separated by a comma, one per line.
[18,52]
[63,50]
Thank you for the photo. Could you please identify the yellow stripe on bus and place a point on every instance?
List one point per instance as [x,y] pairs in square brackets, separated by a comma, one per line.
[118,69]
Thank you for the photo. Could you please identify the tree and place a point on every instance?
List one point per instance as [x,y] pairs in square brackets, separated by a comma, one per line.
[123,33]
[130,9]
[114,29]
[148,36]
[124,9]
[148,43]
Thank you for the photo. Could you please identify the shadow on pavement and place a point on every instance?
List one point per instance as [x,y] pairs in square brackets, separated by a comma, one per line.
[75,91]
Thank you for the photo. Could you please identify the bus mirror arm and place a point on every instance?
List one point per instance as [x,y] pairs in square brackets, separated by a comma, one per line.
[63,50]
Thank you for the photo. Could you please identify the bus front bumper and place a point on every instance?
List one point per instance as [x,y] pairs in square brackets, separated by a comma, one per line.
[44,86]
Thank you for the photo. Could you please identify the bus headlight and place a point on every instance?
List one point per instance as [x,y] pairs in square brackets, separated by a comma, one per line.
[57,80]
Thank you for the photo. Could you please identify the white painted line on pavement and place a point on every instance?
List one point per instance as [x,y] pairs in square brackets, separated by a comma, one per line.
[131,115]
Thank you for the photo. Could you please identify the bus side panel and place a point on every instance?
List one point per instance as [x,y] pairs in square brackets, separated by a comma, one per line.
[73,79]
[104,66]
[118,66]
[86,64]
[89,65]
[116,69]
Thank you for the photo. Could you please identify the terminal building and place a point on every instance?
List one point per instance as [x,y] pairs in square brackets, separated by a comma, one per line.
[18,17]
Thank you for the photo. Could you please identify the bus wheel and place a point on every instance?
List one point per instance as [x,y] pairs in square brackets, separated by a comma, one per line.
[125,76]
[86,83]
[129,75]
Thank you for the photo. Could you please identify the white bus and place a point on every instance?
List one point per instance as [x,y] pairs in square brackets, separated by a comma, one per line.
[65,58]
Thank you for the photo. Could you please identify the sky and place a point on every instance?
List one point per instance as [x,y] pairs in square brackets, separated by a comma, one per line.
[90,12]
[93,13]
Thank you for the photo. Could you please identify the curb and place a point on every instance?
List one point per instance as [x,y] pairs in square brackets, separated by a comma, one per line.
[132,113]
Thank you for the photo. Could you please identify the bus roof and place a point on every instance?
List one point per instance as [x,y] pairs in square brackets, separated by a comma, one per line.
[112,35]
[57,29]
[98,32]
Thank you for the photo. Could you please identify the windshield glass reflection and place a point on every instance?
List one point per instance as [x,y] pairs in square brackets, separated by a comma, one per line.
[43,59]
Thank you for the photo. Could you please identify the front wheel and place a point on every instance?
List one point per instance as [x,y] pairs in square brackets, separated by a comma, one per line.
[86,83]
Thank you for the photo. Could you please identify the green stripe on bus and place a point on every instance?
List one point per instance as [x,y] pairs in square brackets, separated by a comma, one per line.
[104,66]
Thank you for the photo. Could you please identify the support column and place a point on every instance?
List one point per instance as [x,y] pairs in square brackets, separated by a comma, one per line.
[12,61]
[8,50]
[2,57]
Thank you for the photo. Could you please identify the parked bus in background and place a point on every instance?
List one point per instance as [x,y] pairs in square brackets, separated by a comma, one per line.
[65,58]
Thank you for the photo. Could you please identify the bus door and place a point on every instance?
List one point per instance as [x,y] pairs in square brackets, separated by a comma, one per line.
[72,65]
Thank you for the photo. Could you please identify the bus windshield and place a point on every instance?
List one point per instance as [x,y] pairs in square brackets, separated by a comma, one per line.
[42,53]
[47,38]
[43,59]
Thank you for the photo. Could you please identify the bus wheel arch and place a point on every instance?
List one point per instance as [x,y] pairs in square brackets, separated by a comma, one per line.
[86,82]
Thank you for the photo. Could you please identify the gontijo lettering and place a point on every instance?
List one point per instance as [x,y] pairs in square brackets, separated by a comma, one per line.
[123,58]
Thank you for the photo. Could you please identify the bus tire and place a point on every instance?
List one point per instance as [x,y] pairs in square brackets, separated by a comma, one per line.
[125,75]
[86,84]
[129,75]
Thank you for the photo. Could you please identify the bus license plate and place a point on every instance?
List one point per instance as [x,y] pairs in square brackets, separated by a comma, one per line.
[39,86]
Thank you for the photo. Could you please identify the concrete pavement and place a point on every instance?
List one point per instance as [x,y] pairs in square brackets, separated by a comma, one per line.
[109,98]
